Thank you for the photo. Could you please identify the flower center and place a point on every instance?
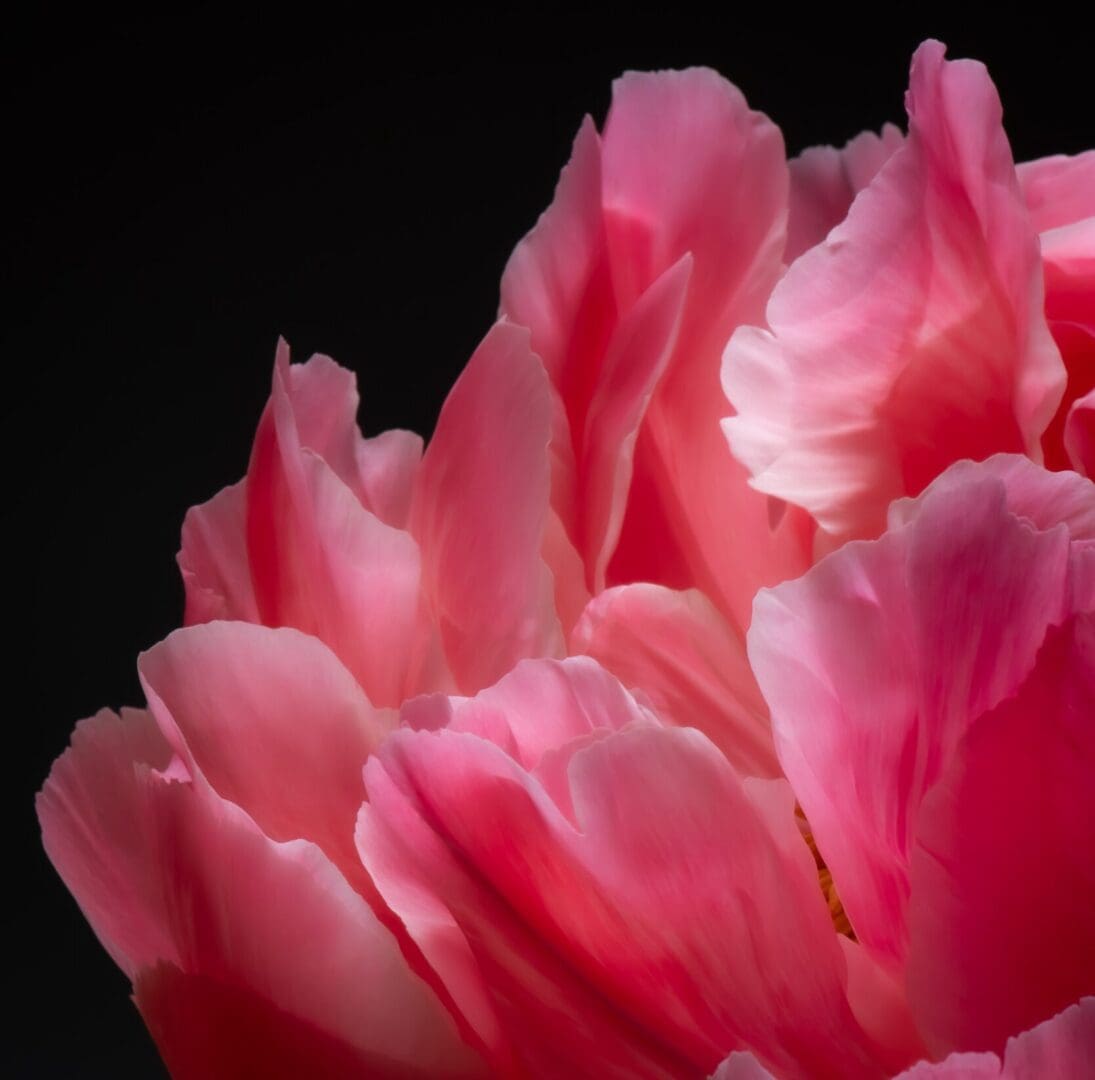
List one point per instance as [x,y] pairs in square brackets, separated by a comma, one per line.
[828,889]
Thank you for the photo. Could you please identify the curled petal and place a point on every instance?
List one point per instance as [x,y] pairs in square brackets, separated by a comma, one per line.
[914,336]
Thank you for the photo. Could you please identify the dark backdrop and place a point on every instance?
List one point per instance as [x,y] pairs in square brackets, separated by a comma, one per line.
[186,190]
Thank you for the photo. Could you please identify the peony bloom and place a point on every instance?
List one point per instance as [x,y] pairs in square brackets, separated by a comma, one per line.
[582,740]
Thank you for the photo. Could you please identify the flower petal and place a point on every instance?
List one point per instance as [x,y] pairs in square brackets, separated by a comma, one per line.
[674,917]
[1063,1046]
[480,512]
[169,872]
[319,560]
[825,180]
[1002,881]
[683,655]
[914,336]
[274,723]
[875,663]
[213,559]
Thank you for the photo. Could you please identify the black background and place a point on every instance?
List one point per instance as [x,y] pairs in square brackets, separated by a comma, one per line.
[181,192]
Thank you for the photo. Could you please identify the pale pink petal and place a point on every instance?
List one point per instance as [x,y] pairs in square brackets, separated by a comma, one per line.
[1058,190]
[1063,1046]
[320,561]
[324,407]
[480,511]
[228,903]
[1002,879]
[675,917]
[213,559]
[875,663]
[913,336]
[544,704]
[686,658]
[274,723]
[741,1065]
[94,833]
[387,466]
[379,471]
[825,180]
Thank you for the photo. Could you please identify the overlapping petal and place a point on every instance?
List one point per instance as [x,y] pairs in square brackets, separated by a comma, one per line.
[200,907]
[663,237]
[662,914]
[929,696]
[914,336]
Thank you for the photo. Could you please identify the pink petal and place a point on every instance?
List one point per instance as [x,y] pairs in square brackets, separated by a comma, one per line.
[169,872]
[1058,190]
[1063,1046]
[1080,434]
[688,167]
[95,834]
[675,917]
[274,723]
[319,560]
[387,466]
[875,663]
[1069,256]
[683,655]
[1002,880]
[1044,499]
[741,1066]
[648,489]
[480,511]
[914,336]
[213,559]
[212,1030]
[825,180]
[544,704]
[637,357]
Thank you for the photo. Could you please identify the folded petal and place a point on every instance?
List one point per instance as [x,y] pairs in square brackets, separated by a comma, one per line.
[878,660]
[914,336]
[542,705]
[662,237]
[189,880]
[480,512]
[1002,881]
[213,559]
[319,560]
[689,167]
[274,723]
[682,654]
[94,833]
[825,180]
[1042,498]
[674,917]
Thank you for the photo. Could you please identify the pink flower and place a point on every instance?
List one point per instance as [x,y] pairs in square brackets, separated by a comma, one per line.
[460,764]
